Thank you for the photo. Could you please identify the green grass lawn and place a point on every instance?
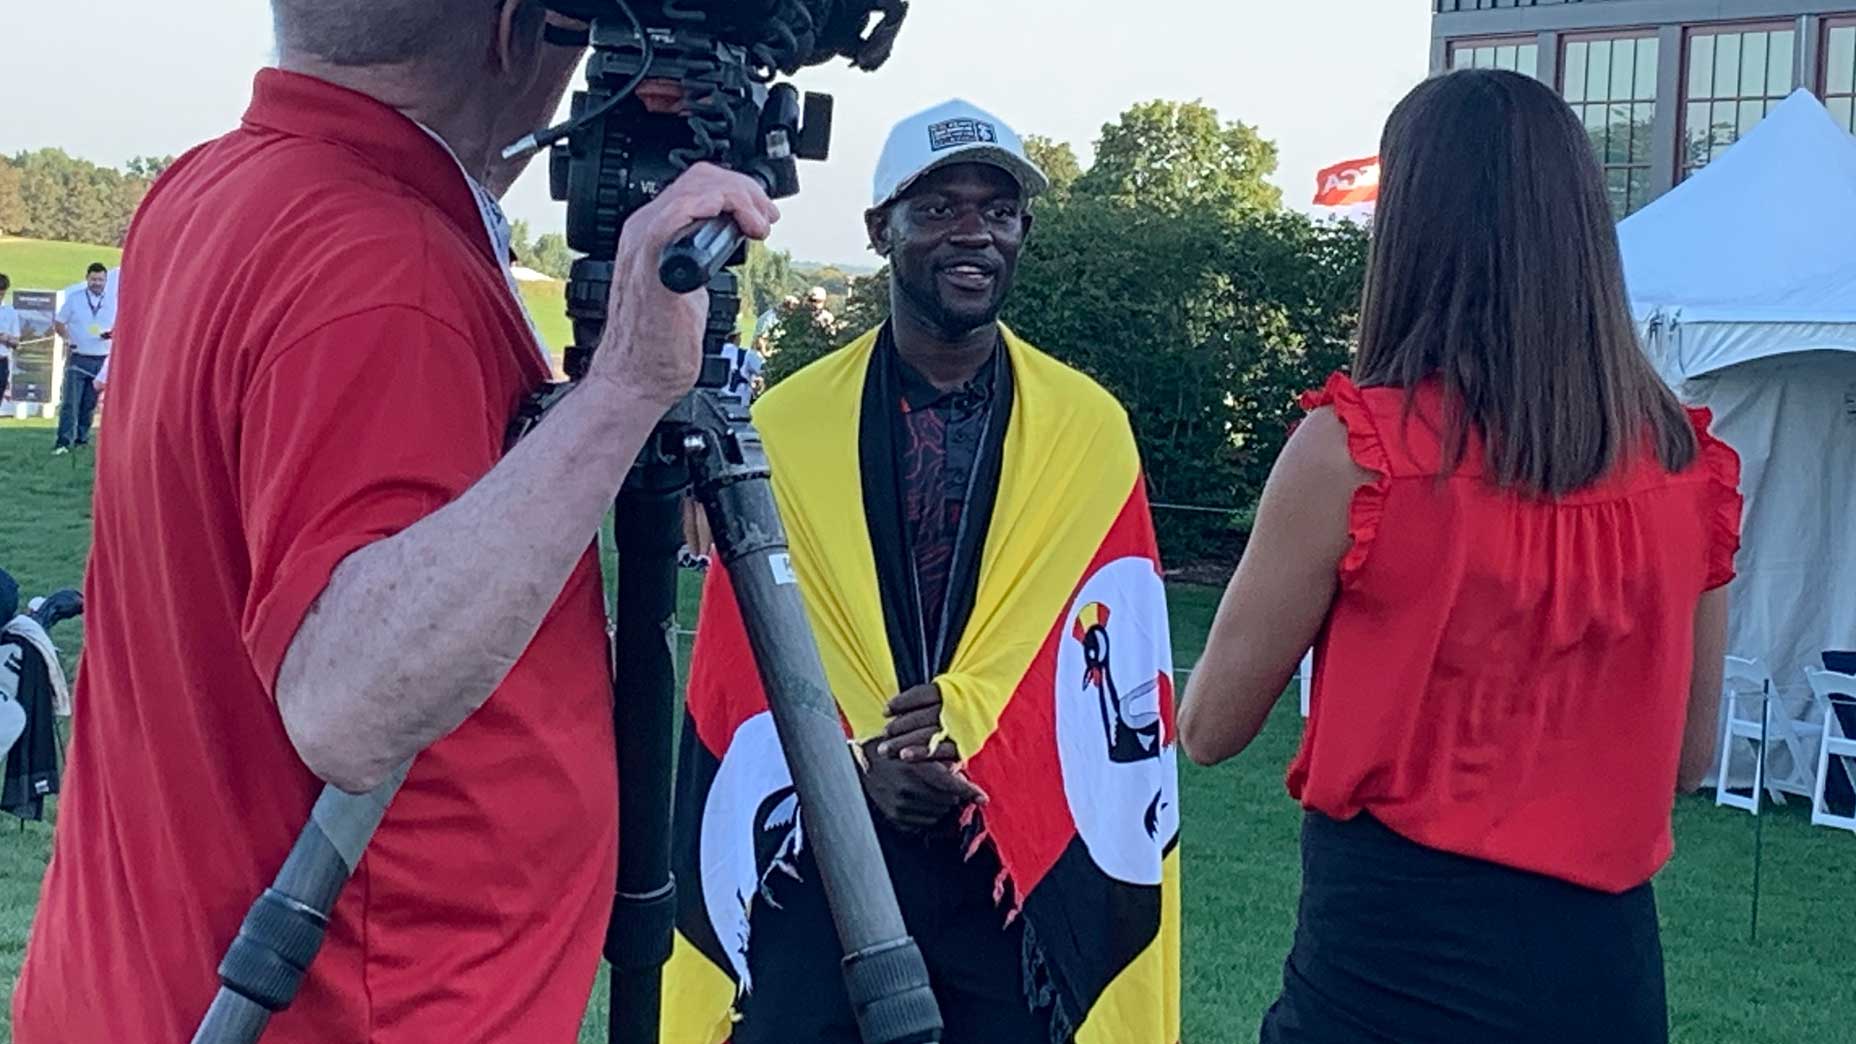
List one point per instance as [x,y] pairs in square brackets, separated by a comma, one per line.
[36,264]
[547,302]
[1796,983]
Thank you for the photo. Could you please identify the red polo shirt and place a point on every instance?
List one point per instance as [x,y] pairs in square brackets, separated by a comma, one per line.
[326,352]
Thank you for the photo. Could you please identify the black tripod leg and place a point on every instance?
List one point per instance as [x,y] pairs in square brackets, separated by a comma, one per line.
[883,968]
[648,531]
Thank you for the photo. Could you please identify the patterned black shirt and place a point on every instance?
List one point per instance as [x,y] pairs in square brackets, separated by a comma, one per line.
[941,435]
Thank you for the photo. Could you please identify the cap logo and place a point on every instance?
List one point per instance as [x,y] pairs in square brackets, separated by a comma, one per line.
[950,134]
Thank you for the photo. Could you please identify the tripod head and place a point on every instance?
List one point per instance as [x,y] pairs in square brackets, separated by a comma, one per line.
[672,83]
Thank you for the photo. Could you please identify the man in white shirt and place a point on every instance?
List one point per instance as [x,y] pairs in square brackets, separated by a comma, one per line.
[85,322]
[9,335]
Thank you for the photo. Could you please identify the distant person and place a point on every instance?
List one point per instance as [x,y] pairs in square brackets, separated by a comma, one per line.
[302,581]
[87,322]
[970,530]
[817,302]
[9,335]
[1509,545]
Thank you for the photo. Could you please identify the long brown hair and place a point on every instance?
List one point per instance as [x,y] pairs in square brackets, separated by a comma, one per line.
[1495,269]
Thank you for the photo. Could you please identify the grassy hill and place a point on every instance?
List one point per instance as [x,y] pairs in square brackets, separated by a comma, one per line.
[547,302]
[36,264]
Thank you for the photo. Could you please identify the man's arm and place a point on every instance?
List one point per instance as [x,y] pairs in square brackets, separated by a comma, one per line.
[414,632]
[61,322]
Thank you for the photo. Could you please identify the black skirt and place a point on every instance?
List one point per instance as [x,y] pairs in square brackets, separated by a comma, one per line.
[1396,942]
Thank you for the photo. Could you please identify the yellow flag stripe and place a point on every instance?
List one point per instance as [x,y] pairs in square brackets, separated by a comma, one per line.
[699,998]
[810,423]
[1070,465]
[1141,1006]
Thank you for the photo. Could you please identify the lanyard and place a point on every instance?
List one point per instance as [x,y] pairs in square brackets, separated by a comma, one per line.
[95,306]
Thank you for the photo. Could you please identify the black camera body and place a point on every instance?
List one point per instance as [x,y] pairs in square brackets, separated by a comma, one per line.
[722,56]
[615,165]
[783,35]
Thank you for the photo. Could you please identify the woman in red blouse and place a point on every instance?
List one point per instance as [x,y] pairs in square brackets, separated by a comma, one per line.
[1507,542]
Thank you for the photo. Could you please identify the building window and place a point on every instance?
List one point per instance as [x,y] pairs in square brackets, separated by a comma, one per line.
[1610,83]
[1735,76]
[1517,54]
[1839,86]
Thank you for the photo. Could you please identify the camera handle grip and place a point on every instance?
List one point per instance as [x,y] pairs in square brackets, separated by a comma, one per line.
[694,257]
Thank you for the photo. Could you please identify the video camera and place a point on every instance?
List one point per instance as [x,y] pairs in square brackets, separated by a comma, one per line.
[622,146]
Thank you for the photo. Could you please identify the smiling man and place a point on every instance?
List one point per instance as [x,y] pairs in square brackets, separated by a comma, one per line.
[970,530]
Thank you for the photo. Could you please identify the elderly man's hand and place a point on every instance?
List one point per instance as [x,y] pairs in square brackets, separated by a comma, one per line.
[652,347]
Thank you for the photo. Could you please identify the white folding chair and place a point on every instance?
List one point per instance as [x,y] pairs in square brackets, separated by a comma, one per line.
[1760,721]
[1836,750]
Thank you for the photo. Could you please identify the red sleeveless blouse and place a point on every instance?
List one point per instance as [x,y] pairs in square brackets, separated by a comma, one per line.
[1507,677]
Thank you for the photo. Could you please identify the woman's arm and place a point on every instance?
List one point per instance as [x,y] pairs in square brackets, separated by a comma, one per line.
[1700,737]
[1278,599]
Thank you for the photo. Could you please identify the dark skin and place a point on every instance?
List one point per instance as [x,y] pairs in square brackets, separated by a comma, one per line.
[952,242]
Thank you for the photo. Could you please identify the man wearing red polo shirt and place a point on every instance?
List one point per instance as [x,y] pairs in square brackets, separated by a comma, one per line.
[315,557]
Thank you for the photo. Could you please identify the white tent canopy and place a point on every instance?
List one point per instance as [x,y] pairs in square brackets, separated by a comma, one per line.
[1751,256]
[1744,280]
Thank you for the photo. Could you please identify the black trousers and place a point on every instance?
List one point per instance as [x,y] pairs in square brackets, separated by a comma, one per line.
[79,401]
[6,374]
[974,960]
[1396,943]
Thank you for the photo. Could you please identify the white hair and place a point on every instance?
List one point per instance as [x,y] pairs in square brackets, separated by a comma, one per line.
[381,32]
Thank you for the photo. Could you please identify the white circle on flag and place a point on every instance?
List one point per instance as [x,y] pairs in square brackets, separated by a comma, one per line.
[750,820]
[1120,767]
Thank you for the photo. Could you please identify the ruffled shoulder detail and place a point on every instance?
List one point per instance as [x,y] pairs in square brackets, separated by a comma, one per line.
[1363,444]
[1725,502]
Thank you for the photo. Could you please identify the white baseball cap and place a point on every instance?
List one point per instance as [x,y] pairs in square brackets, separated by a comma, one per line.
[952,132]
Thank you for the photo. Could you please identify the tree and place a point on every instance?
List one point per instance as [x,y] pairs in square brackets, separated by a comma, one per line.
[12,204]
[521,239]
[64,198]
[1180,154]
[148,168]
[551,255]
[1205,325]
[767,278]
[1057,160]
[835,280]
[799,341]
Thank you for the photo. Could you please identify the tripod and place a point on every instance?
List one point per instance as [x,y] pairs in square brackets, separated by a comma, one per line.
[709,443]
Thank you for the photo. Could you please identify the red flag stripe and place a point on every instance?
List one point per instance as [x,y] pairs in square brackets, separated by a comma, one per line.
[1028,816]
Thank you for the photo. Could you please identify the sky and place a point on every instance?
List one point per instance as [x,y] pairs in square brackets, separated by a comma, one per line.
[1319,80]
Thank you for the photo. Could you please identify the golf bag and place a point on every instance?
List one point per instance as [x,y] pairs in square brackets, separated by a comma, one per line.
[33,695]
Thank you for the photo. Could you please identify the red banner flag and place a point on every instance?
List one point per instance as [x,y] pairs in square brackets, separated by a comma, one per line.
[1345,184]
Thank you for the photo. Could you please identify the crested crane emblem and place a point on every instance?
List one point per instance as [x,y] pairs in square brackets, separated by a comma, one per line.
[1112,690]
[1130,721]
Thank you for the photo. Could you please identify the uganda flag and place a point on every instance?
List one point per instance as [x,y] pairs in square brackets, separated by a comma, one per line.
[1058,689]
